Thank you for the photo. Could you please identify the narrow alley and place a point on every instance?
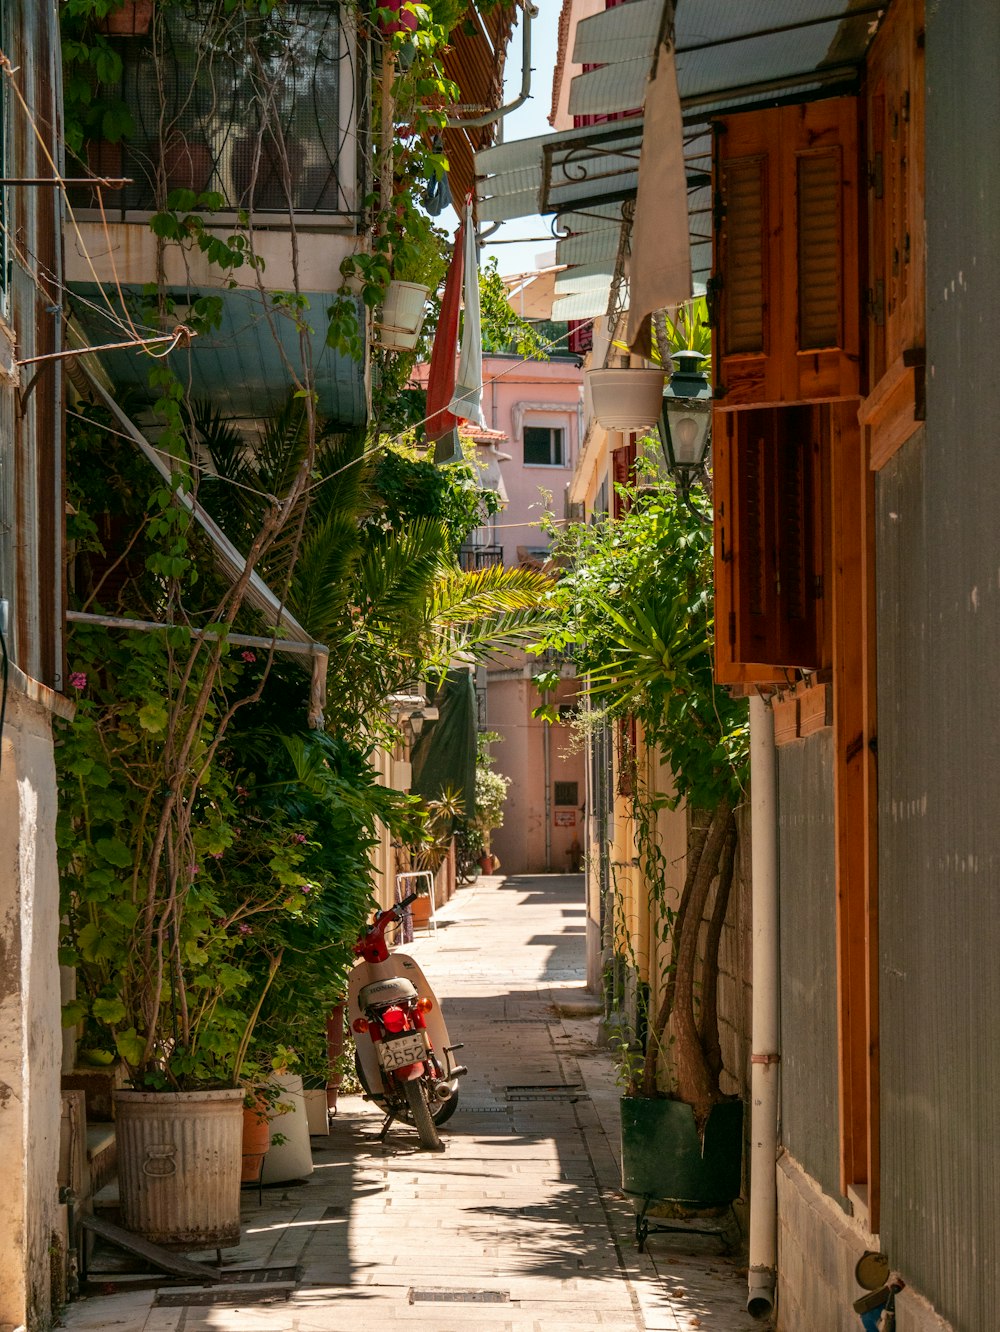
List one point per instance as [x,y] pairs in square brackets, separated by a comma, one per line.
[518,1226]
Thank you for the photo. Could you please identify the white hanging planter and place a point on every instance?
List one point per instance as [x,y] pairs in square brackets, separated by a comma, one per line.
[626,400]
[402,315]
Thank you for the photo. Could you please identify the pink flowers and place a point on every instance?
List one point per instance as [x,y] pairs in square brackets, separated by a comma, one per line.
[244,929]
[298,837]
[78,680]
[249,656]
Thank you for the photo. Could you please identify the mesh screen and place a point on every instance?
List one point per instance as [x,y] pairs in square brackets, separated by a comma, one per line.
[249,109]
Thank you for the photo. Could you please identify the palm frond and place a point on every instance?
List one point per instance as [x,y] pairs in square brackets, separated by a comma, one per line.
[322,587]
[397,571]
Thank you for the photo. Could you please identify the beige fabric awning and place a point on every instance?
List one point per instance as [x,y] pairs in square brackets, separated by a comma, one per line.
[660,262]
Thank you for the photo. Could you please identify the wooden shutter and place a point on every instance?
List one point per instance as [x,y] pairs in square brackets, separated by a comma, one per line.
[786,248]
[743,191]
[895,294]
[729,668]
[769,544]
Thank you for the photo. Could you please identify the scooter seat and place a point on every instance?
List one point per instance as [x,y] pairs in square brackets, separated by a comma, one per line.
[394,990]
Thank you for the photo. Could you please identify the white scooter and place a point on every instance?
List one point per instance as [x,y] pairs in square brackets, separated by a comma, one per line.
[404,1059]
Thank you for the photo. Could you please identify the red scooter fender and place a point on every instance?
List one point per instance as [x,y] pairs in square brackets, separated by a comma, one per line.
[397,964]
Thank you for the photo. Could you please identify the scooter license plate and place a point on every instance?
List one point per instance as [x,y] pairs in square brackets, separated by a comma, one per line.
[407,1048]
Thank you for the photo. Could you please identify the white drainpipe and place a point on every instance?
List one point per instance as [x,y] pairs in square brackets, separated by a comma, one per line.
[764,1059]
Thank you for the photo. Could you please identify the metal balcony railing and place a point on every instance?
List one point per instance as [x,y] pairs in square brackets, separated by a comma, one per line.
[479,557]
[248,109]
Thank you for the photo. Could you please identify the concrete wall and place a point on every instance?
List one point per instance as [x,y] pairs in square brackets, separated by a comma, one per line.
[818,1247]
[30,1032]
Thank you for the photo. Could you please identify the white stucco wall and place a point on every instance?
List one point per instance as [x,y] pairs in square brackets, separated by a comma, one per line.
[30,1032]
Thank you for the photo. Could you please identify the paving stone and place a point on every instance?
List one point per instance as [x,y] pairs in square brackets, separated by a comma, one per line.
[526,1198]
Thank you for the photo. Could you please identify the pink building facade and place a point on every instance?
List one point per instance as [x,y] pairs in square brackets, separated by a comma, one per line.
[538,407]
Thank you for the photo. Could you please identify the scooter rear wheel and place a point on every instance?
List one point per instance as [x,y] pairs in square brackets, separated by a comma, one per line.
[441,1111]
[416,1100]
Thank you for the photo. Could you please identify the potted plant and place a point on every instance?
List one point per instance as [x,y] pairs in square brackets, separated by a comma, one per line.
[625,398]
[172,952]
[124,18]
[630,398]
[636,605]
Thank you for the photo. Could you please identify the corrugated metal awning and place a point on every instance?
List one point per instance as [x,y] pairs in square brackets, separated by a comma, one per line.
[732,56]
[556,173]
[622,42]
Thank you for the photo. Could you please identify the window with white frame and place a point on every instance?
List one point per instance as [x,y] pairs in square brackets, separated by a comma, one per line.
[544,446]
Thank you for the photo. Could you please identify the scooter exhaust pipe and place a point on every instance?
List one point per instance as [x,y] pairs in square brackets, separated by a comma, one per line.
[443,1091]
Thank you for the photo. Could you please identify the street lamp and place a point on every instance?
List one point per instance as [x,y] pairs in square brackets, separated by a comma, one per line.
[686,420]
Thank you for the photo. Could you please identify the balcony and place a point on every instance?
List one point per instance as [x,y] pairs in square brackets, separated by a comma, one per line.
[261,110]
[263,115]
[471,558]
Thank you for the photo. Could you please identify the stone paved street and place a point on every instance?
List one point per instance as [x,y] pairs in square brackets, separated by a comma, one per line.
[519,1225]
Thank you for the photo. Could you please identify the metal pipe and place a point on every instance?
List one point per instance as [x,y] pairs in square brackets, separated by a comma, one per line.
[764,1061]
[240,640]
[547,778]
[490,117]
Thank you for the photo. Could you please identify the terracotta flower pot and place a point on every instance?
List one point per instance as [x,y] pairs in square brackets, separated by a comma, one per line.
[132,19]
[256,1139]
[187,165]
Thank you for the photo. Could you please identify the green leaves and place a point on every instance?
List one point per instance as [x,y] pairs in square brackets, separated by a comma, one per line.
[635,606]
[114,851]
[153,716]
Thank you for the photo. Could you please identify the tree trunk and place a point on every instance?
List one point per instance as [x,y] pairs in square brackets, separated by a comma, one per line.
[695,1083]
[654,1038]
[709,1025]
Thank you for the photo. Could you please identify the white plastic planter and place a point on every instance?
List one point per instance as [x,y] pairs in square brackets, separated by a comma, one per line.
[402,315]
[292,1158]
[626,400]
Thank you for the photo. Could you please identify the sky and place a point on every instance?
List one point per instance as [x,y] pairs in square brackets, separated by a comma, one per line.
[535,244]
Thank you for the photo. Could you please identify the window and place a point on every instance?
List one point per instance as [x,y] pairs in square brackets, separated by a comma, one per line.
[217,141]
[543,446]
[566,793]
[769,549]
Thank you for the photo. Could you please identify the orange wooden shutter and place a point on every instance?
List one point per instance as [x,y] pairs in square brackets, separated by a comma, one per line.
[786,255]
[769,542]
[730,669]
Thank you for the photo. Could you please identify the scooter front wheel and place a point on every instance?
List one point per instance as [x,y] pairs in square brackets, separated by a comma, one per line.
[416,1100]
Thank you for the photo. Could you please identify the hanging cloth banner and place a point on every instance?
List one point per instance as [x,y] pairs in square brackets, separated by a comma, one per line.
[441,377]
[467,399]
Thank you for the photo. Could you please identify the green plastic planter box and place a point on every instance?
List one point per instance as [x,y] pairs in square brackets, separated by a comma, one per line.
[663,1157]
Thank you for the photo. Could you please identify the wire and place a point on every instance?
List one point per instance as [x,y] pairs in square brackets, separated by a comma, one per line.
[383,444]
[171,457]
